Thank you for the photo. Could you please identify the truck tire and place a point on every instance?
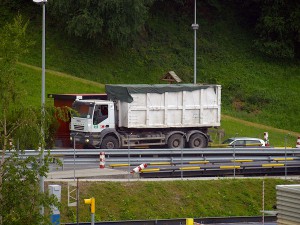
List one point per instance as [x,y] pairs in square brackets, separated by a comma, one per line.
[176,141]
[110,142]
[198,141]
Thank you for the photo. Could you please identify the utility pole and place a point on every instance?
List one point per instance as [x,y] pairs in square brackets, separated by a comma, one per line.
[43,3]
[195,27]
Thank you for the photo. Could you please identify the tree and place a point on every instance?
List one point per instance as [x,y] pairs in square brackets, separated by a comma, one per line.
[276,25]
[20,124]
[114,22]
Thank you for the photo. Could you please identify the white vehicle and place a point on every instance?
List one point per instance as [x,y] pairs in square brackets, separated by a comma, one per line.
[139,115]
[244,142]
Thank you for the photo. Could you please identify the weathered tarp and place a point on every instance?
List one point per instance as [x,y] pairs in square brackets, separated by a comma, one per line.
[123,92]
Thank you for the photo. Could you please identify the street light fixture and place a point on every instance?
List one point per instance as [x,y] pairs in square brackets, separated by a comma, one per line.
[43,3]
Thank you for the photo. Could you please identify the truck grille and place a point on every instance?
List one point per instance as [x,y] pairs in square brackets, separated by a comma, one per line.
[79,127]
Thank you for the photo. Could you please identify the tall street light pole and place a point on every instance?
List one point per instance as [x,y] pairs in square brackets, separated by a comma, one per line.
[43,3]
[195,27]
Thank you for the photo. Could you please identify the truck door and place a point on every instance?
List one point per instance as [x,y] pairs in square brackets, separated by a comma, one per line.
[100,117]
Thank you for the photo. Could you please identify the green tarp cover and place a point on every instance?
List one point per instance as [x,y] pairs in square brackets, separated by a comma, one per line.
[123,92]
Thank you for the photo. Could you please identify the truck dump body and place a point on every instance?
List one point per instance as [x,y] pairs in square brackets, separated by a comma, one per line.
[166,105]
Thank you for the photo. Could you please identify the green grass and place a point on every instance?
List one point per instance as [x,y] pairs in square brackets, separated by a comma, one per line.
[139,200]
[60,83]
[241,128]
[254,88]
[56,83]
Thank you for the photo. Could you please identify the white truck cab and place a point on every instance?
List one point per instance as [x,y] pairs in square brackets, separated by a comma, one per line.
[92,117]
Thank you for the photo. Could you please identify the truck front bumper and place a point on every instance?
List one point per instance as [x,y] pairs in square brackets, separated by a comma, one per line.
[85,139]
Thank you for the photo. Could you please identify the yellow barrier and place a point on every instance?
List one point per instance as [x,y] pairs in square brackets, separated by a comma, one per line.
[229,146]
[272,165]
[230,167]
[150,170]
[190,168]
[211,145]
[118,165]
[283,159]
[242,160]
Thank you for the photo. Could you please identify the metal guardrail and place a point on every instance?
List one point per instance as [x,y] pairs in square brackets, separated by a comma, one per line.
[162,152]
[177,159]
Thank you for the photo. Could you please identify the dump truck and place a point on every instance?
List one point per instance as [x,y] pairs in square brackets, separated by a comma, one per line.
[167,115]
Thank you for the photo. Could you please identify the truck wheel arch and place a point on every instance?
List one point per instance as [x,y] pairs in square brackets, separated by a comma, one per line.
[110,142]
[172,133]
[191,134]
[109,132]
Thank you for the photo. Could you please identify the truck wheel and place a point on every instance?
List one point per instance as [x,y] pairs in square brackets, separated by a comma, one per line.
[176,141]
[198,141]
[110,142]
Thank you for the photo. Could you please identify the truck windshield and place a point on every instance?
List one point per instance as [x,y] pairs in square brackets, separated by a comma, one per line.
[84,110]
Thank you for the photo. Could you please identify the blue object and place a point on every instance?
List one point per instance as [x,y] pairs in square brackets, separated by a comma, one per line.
[55,219]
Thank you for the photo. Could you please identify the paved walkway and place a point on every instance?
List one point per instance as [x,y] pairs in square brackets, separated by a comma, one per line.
[88,174]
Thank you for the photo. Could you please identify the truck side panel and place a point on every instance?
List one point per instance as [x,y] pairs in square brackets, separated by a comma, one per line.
[197,108]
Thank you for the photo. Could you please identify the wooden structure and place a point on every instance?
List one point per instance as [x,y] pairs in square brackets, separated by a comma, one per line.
[171,77]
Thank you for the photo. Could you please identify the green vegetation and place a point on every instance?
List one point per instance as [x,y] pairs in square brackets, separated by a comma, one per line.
[241,128]
[20,125]
[254,88]
[56,83]
[172,199]
[60,83]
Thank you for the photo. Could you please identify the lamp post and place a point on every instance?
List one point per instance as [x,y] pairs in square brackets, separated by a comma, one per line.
[195,27]
[43,3]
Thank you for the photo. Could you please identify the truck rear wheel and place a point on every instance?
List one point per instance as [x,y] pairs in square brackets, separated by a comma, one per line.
[198,141]
[110,142]
[176,141]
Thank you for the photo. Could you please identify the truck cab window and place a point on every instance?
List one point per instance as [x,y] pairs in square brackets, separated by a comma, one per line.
[100,114]
[83,110]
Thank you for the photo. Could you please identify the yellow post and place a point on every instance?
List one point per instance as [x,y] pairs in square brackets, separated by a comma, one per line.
[91,202]
[189,221]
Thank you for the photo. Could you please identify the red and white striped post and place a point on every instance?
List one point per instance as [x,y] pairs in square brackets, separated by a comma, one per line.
[266,137]
[102,160]
[139,168]
[298,142]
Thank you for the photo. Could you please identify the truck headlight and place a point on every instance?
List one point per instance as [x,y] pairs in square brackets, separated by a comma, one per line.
[71,138]
[87,140]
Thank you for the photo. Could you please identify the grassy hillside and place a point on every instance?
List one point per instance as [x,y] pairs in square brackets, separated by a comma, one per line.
[255,88]
[56,83]
[138,200]
[59,83]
